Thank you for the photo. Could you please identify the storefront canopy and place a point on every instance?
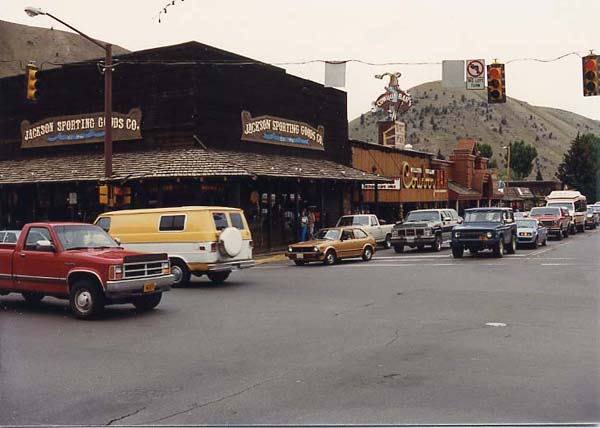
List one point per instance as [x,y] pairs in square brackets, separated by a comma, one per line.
[172,163]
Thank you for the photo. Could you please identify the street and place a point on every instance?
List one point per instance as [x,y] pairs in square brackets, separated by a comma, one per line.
[412,338]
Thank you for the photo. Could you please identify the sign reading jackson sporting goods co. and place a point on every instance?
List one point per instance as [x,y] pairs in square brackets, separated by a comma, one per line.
[283,132]
[80,129]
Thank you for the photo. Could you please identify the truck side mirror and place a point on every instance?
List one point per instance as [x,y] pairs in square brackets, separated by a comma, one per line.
[45,245]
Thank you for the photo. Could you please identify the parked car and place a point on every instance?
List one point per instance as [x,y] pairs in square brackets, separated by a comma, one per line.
[9,236]
[82,263]
[531,232]
[485,228]
[332,244]
[592,217]
[211,241]
[556,219]
[425,227]
[377,228]
[575,202]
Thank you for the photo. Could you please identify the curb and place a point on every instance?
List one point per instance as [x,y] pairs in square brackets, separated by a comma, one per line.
[270,258]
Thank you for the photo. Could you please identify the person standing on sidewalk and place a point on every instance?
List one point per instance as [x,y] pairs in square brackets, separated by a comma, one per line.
[311,223]
[303,226]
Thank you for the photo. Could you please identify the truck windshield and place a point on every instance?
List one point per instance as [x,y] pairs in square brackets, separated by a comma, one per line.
[356,220]
[483,217]
[81,236]
[544,211]
[567,205]
[423,216]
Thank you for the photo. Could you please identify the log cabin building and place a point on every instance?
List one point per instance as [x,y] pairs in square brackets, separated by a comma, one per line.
[192,125]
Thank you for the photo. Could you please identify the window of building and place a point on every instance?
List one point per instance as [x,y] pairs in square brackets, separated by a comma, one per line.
[169,223]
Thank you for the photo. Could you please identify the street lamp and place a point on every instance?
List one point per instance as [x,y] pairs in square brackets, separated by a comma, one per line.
[34,11]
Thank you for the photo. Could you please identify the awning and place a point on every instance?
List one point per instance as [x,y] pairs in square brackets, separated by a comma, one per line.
[517,194]
[462,193]
[174,162]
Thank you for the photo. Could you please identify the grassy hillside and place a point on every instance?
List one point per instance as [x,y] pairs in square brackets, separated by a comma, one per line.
[22,43]
[441,116]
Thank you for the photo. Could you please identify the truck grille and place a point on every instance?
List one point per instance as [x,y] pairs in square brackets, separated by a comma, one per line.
[410,232]
[141,270]
[471,235]
[547,223]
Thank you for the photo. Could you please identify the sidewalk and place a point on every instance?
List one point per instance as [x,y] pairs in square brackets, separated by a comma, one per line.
[270,257]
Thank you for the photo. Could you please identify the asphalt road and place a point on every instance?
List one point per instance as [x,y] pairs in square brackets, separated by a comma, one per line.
[401,339]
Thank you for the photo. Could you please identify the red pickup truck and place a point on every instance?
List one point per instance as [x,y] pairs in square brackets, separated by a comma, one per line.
[556,219]
[82,263]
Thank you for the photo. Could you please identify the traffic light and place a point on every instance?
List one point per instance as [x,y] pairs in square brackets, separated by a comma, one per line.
[495,83]
[32,82]
[590,75]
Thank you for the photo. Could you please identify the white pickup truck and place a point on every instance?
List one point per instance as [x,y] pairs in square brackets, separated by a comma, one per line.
[381,231]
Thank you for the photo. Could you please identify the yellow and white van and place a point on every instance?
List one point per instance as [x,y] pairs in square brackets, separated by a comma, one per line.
[199,240]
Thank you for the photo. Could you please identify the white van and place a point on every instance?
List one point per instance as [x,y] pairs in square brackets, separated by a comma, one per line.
[575,202]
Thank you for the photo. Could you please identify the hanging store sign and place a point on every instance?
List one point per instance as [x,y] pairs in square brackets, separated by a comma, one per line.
[80,129]
[394,100]
[282,132]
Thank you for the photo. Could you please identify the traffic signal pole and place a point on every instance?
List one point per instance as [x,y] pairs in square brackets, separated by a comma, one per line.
[31,11]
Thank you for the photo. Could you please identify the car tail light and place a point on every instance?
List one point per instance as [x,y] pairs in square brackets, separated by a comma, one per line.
[213,247]
[115,272]
[166,268]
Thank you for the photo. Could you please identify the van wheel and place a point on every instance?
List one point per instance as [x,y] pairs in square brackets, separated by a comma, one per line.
[218,277]
[86,299]
[33,298]
[145,303]
[181,273]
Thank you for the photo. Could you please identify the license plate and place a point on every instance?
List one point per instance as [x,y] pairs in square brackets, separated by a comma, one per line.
[149,287]
[300,256]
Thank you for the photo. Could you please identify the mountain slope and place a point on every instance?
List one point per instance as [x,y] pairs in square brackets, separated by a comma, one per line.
[22,43]
[441,116]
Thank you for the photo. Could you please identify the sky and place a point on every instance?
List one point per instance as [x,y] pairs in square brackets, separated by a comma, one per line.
[405,31]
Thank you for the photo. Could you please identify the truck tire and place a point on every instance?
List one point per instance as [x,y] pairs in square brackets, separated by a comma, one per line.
[387,243]
[512,247]
[458,251]
[499,248]
[145,303]
[32,298]
[399,248]
[86,299]
[181,273]
[218,277]
[437,246]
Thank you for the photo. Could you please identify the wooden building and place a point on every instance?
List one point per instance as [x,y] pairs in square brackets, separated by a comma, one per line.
[213,128]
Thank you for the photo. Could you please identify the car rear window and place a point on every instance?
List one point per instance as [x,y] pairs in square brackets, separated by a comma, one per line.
[220,220]
[171,223]
[236,220]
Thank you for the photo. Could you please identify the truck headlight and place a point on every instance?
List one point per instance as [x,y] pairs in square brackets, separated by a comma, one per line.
[166,269]
[427,232]
[115,272]
[316,249]
[489,234]
[290,249]
[457,234]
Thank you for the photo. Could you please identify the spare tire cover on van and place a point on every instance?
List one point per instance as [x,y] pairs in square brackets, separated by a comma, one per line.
[230,241]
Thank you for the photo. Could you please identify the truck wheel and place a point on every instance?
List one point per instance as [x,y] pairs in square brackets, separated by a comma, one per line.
[181,273]
[367,254]
[33,298]
[438,243]
[399,248]
[387,244]
[499,249]
[458,251]
[330,257]
[218,277]
[86,299]
[512,248]
[145,303]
